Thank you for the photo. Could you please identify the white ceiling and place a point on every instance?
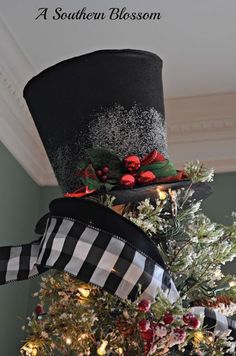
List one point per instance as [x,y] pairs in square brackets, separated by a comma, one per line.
[195,39]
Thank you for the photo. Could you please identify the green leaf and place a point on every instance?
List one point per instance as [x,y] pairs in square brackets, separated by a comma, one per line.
[100,158]
[107,186]
[88,178]
[83,164]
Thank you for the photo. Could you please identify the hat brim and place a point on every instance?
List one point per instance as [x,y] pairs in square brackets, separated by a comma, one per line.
[201,192]
[135,195]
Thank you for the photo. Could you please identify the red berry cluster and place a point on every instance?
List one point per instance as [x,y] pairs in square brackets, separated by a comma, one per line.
[191,321]
[102,173]
[152,332]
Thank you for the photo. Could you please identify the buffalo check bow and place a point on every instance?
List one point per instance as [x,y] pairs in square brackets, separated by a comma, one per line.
[101,258]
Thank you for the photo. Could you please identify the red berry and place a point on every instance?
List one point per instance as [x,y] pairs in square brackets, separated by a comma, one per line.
[105,170]
[127,181]
[147,347]
[192,321]
[39,309]
[144,325]
[180,334]
[144,305]
[168,318]
[99,173]
[104,178]
[187,317]
[148,335]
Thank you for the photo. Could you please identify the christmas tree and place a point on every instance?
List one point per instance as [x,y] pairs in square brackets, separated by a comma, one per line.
[131,264]
[77,318]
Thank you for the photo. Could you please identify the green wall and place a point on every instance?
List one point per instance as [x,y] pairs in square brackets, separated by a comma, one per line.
[19,206]
[221,204]
[22,202]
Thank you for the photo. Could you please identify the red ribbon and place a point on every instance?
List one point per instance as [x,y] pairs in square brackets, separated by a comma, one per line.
[152,157]
[79,193]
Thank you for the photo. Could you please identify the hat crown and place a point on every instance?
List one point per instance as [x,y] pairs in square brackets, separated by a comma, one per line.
[110,99]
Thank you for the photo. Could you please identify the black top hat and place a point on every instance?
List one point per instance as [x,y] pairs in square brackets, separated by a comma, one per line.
[109,99]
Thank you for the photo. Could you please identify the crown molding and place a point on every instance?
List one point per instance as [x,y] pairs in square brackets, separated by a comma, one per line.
[201,118]
[17,130]
[200,127]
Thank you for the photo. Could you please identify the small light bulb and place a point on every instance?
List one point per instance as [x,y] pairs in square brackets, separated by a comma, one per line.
[68,341]
[84,292]
[210,339]
[101,350]
[162,194]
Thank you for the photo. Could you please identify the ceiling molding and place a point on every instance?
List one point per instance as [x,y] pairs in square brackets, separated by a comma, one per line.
[17,130]
[201,118]
[202,127]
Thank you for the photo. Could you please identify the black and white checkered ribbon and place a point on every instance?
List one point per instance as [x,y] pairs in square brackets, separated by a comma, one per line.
[216,322]
[92,255]
[19,262]
[104,259]
[101,258]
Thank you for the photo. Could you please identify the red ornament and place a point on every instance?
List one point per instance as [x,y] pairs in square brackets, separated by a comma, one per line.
[105,170]
[146,177]
[132,163]
[127,181]
[168,318]
[39,309]
[144,305]
[144,325]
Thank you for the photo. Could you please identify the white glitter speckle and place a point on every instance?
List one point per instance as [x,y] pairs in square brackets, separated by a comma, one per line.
[133,131]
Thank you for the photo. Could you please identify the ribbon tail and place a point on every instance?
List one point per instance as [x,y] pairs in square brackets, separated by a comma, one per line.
[216,322]
[18,263]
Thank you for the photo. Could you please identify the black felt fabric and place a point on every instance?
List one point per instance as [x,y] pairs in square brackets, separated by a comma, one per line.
[63,97]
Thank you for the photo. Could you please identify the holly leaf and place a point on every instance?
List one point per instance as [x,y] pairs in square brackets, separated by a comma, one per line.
[108,186]
[100,158]
[83,164]
[88,178]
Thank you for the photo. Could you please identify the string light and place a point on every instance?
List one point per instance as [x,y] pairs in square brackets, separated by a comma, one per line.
[84,292]
[210,339]
[82,337]
[232,283]
[162,194]
[198,338]
[101,350]
[68,341]
[29,349]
